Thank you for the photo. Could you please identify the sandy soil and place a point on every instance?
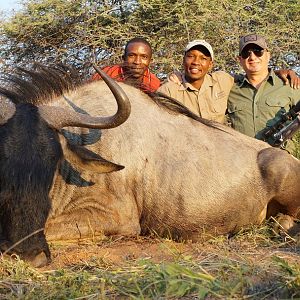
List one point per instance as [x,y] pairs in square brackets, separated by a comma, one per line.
[120,251]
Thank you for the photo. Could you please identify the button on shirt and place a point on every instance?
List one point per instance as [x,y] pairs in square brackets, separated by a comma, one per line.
[251,109]
[209,102]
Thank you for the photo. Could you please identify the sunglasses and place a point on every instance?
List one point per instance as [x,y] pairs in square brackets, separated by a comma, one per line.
[256,52]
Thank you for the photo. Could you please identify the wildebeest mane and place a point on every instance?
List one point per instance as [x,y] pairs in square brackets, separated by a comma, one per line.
[39,85]
[161,99]
[42,83]
[174,106]
[170,103]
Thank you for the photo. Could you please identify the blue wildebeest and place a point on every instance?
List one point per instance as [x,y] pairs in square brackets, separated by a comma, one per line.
[184,177]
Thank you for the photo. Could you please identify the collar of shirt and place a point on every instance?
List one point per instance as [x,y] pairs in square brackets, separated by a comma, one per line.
[243,80]
[146,77]
[207,82]
[117,72]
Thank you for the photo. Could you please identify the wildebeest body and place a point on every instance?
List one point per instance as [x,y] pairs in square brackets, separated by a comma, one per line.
[183,177]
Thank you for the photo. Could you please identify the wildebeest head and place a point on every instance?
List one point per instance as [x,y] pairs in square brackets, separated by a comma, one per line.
[31,148]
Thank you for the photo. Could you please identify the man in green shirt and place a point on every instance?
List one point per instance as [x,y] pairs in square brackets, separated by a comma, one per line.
[206,93]
[258,97]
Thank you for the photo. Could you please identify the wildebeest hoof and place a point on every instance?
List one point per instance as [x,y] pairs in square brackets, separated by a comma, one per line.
[284,223]
[295,232]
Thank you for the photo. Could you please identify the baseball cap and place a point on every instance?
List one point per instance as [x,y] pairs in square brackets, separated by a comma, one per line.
[252,39]
[203,43]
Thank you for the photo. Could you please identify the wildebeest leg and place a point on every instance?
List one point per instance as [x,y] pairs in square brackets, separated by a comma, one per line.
[22,225]
[281,172]
[89,224]
[286,224]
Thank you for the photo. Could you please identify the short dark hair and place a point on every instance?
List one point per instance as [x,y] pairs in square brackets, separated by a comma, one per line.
[137,40]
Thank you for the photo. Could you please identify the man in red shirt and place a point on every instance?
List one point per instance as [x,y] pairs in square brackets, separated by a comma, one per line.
[135,67]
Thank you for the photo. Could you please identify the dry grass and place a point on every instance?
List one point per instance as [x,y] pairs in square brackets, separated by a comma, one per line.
[255,264]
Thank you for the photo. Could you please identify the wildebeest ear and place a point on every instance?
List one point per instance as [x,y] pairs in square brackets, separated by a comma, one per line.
[86,160]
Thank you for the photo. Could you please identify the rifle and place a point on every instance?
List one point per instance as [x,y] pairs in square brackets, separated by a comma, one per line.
[283,129]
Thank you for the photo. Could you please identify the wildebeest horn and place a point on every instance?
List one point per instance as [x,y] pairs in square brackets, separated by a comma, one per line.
[59,117]
[7,110]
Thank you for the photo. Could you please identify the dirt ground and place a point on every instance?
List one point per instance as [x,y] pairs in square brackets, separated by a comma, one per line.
[119,251]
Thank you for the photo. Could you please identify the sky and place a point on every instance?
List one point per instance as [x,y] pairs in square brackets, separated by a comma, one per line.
[8,5]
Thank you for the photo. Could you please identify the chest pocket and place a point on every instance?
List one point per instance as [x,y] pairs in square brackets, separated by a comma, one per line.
[219,103]
[279,106]
[278,102]
[276,106]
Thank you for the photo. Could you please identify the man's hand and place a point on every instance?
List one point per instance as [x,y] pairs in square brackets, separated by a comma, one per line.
[175,77]
[289,77]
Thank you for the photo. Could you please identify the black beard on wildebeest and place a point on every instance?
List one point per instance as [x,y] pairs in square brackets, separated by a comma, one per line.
[30,187]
